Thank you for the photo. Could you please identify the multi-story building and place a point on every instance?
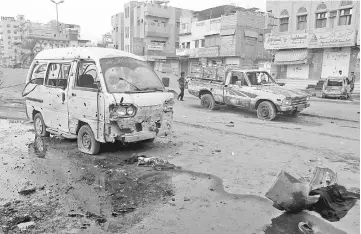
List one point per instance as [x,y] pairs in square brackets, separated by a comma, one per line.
[10,36]
[314,39]
[107,40]
[118,30]
[224,35]
[151,29]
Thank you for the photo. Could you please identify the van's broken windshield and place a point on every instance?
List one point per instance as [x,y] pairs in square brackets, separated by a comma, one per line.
[124,74]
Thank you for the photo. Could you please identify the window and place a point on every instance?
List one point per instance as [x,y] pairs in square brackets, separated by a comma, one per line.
[345,17]
[127,48]
[302,22]
[86,75]
[183,26]
[57,75]
[38,75]
[8,25]
[333,15]
[238,77]
[196,45]
[15,32]
[284,24]
[203,42]
[9,31]
[116,29]
[188,45]
[138,22]
[177,45]
[9,37]
[126,12]
[178,24]
[321,19]
[127,32]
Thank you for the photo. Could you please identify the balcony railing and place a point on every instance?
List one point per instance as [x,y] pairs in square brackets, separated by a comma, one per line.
[157,11]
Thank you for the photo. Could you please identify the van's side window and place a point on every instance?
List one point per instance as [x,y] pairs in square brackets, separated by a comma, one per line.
[86,75]
[58,74]
[38,75]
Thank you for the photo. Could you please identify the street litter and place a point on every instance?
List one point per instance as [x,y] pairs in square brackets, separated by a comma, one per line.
[321,194]
[154,162]
[25,226]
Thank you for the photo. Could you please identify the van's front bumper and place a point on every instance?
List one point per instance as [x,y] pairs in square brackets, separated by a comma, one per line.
[139,136]
[299,107]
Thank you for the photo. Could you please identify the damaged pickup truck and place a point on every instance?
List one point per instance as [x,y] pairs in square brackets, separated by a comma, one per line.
[249,88]
[96,95]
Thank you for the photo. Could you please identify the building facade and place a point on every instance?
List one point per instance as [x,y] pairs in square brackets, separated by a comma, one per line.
[118,31]
[314,39]
[151,29]
[233,38]
[10,35]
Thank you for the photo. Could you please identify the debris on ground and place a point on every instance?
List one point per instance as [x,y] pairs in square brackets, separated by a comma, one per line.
[322,194]
[27,189]
[26,226]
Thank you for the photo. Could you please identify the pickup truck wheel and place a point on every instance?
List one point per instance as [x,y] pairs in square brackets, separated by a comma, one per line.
[86,141]
[266,110]
[207,102]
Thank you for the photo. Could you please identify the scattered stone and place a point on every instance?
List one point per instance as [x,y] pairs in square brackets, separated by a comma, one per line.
[186,199]
[41,187]
[212,189]
[27,190]
[173,199]
[75,215]
[25,226]
[218,150]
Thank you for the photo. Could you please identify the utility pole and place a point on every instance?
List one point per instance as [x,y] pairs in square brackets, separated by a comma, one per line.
[57,19]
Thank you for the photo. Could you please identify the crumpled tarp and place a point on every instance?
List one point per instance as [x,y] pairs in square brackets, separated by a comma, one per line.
[334,203]
[322,194]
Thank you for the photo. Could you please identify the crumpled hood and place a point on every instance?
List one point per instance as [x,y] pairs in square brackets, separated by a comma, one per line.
[144,99]
[280,90]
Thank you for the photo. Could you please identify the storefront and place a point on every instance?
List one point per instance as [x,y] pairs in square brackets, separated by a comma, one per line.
[336,48]
[290,55]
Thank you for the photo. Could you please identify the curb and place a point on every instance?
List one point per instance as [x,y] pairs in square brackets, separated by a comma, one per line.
[331,118]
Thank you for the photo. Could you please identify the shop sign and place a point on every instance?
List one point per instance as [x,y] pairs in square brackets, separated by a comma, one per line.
[332,39]
[154,57]
[158,47]
[291,41]
[182,51]
[204,52]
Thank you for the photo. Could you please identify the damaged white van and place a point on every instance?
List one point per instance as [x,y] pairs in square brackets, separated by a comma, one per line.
[97,95]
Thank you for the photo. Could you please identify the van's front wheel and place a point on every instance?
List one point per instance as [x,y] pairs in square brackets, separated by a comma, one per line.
[39,126]
[86,141]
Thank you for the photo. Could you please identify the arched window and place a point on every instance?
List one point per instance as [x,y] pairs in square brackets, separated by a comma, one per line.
[345,13]
[321,16]
[284,20]
[302,18]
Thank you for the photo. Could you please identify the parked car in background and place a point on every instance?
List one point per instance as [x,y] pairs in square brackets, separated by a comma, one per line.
[336,87]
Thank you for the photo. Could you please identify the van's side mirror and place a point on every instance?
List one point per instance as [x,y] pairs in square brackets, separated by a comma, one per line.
[165,81]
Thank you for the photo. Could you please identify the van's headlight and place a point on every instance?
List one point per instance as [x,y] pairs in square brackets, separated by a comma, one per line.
[287,102]
[123,111]
[168,106]
[307,98]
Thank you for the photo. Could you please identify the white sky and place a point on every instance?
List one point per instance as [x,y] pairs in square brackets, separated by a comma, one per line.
[94,16]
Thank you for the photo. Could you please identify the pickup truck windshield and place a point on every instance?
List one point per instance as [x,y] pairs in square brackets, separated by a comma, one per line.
[124,74]
[260,78]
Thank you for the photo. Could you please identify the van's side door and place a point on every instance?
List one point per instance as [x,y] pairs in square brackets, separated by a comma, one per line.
[83,101]
[55,103]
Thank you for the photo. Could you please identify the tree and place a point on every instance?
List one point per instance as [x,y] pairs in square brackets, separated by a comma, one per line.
[30,48]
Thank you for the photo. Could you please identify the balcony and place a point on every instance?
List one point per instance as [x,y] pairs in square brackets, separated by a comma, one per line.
[157,11]
[157,31]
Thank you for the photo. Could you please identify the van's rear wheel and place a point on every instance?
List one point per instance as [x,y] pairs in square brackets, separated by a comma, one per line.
[208,102]
[39,126]
[86,141]
[266,110]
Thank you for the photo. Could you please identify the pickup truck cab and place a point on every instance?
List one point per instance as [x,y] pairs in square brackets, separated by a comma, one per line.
[96,95]
[252,89]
